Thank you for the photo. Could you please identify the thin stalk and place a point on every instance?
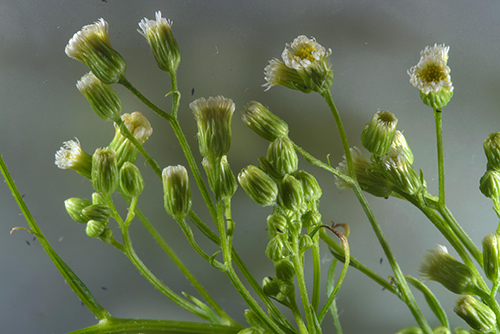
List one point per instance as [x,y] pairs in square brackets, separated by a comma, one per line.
[329,290]
[439,143]
[185,271]
[403,286]
[336,289]
[296,315]
[144,270]
[298,265]
[188,233]
[148,326]
[432,301]
[338,252]
[74,282]
[316,260]
[125,83]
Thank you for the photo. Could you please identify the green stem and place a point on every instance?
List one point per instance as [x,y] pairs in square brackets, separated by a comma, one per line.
[144,100]
[298,265]
[143,269]
[147,326]
[296,315]
[329,290]
[334,292]
[78,287]
[338,252]
[439,141]
[316,260]
[405,290]
[185,271]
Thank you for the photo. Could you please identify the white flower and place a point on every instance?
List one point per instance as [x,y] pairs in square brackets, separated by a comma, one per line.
[303,52]
[149,25]
[69,154]
[432,74]
[82,40]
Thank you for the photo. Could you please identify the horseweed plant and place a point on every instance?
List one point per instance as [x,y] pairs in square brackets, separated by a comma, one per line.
[294,225]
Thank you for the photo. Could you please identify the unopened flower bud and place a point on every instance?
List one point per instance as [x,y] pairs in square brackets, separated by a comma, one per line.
[139,127]
[213,117]
[270,286]
[312,190]
[227,179]
[253,320]
[491,256]
[286,287]
[441,330]
[305,242]
[399,171]
[92,46]
[97,212]
[276,224]
[71,155]
[258,185]
[263,122]
[98,199]
[369,177]
[377,136]
[292,194]
[478,315]
[74,207]
[282,156]
[399,141]
[102,98]
[491,147]
[284,269]
[177,195]
[311,219]
[95,228]
[104,171]
[278,248]
[490,184]
[410,330]
[162,42]
[438,265]
[131,182]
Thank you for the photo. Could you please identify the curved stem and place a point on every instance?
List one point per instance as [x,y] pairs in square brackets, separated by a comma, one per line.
[329,289]
[78,287]
[296,315]
[316,260]
[403,286]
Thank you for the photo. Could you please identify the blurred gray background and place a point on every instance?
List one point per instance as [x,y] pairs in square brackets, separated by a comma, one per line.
[225,46]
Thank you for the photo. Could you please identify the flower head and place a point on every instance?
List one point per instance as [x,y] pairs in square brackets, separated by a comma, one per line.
[139,127]
[71,155]
[370,179]
[303,52]
[432,76]
[102,98]
[213,117]
[396,166]
[177,194]
[304,67]
[438,265]
[92,46]
[163,44]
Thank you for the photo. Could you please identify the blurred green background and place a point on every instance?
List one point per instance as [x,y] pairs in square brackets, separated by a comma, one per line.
[225,46]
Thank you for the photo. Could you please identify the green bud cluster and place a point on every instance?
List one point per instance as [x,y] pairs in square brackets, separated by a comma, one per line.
[477,314]
[95,215]
[489,183]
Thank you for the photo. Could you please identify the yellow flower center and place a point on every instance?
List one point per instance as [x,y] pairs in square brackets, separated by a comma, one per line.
[433,72]
[305,52]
